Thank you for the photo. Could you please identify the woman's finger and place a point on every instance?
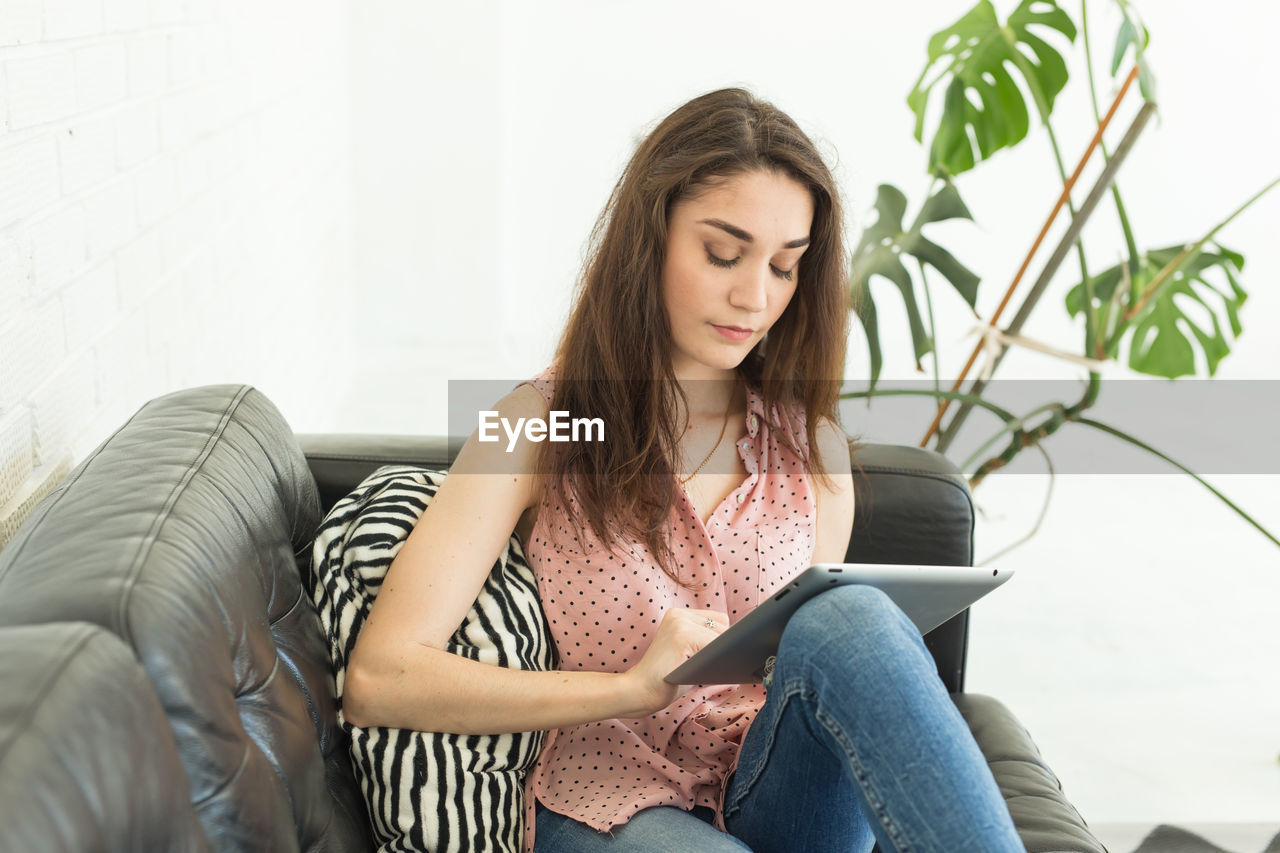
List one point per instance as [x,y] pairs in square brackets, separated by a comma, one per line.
[719,620]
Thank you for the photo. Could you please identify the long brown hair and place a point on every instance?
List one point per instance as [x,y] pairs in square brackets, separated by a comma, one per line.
[613,360]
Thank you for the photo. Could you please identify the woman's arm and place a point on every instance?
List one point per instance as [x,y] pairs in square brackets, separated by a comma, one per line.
[835,504]
[399,674]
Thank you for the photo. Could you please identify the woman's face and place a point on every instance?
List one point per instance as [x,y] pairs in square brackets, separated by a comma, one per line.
[731,267]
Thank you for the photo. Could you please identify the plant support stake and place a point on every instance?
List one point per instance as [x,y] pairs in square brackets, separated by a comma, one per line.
[1103,184]
[1062,200]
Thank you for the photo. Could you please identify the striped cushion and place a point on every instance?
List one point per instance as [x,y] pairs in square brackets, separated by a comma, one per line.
[427,791]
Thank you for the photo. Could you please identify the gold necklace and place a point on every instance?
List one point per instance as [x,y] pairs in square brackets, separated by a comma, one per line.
[719,439]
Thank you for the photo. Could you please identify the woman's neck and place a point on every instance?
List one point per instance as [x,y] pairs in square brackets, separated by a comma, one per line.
[710,396]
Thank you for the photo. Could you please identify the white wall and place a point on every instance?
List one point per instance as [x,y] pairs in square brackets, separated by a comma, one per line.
[1136,661]
[175,194]
[425,141]
[485,156]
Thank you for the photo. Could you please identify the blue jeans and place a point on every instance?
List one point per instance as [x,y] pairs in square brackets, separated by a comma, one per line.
[857,743]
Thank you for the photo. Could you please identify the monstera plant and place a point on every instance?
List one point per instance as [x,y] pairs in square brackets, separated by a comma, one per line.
[991,78]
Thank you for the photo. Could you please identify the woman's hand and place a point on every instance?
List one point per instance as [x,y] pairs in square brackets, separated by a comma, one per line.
[681,633]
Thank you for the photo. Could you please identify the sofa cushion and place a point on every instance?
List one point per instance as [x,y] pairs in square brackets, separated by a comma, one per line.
[76,715]
[1045,818]
[178,535]
[430,791]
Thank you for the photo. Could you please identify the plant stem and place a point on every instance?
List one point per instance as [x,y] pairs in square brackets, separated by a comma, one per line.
[1130,242]
[928,297]
[1118,434]
[1090,318]
[1004,415]
[1026,438]
[1044,511]
[1114,310]
[1016,424]
[933,328]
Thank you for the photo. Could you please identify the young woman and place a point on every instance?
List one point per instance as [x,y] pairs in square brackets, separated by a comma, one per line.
[708,335]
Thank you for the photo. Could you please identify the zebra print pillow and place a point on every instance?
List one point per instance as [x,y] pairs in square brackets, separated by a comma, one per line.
[429,791]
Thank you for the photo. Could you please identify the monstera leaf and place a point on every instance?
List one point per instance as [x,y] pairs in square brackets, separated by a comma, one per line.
[977,55]
[881,250]
[1163,335]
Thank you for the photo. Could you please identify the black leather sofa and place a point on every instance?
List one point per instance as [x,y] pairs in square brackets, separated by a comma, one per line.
[166,686]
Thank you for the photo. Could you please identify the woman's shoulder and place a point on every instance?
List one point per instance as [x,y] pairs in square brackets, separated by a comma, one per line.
[544,383]
[833,445]
[526,400]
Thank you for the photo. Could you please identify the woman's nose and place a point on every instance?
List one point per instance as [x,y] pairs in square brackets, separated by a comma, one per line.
[750,289]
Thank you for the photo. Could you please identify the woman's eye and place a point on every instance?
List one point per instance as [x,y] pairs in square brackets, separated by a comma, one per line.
[721,262]
[785,275]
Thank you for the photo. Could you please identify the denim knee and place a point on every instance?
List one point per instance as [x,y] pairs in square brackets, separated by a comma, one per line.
[847,623]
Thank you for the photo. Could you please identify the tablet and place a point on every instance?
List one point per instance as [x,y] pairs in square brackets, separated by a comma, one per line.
[928,595]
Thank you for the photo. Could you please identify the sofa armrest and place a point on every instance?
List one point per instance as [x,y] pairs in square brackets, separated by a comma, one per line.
[181,534]
[1045,818]
[87,759]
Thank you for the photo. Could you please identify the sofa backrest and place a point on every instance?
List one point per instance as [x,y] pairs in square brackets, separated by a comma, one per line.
[181,536]
[913,506]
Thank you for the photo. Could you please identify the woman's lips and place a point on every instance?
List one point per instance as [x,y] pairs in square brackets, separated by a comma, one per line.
[733,333]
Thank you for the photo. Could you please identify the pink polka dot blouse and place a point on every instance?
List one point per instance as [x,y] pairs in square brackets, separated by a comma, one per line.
[603,609]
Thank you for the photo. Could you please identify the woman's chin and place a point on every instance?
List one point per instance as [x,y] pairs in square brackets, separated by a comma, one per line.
[718,357]
[725,359]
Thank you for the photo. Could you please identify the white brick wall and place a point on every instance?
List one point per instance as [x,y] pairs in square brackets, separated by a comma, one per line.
[175,200]
[102,75]
[28,176]
[21,22]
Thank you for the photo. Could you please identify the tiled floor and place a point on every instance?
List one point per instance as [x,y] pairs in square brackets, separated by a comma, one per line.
[1137,643]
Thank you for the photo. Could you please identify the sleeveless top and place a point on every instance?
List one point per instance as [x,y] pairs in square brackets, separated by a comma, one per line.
[602,609]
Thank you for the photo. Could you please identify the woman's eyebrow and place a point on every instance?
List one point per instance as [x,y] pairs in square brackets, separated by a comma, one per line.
[747,238]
